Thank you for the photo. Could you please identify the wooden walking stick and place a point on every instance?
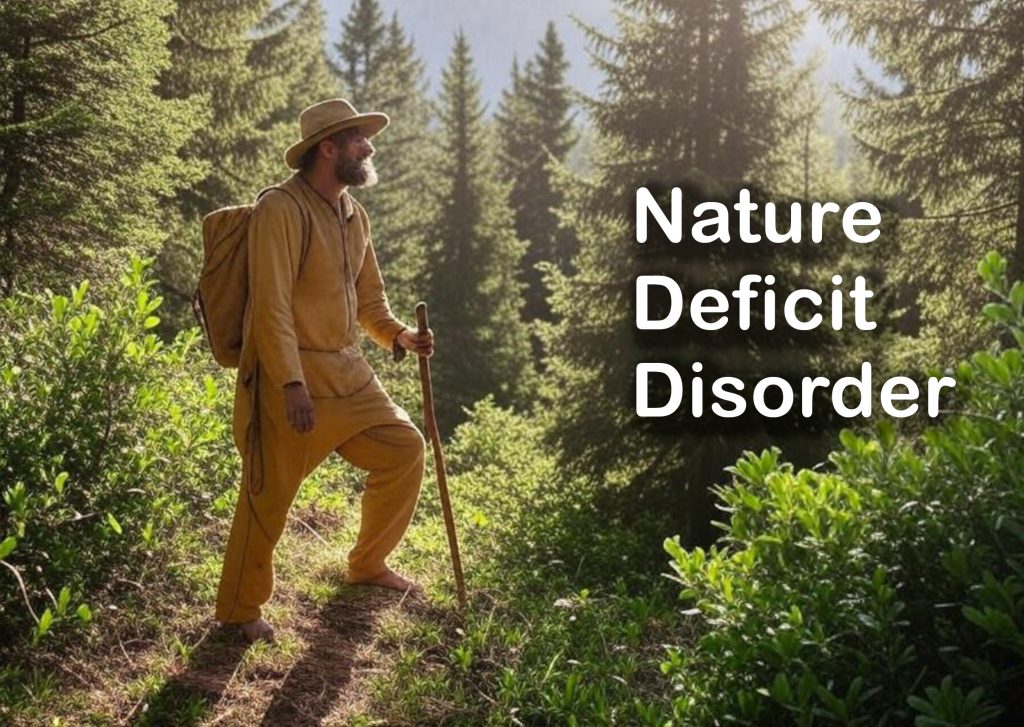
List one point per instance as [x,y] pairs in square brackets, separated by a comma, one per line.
[435,440]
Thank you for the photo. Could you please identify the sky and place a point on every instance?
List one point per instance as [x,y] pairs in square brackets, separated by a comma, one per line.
[499,30]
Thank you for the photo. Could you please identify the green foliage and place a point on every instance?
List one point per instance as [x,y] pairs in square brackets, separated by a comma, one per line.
[536,130]
[111,445]
[565,621]
[379,70]
[849,594]
[87,150]
[249,67]
[474,291]
[943,128]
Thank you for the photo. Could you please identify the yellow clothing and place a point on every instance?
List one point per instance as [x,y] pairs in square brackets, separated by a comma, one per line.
[302,327]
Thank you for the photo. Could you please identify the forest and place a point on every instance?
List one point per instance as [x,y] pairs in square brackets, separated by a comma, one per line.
[806,569]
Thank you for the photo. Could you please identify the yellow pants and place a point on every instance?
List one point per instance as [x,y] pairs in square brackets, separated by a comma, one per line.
[369,430]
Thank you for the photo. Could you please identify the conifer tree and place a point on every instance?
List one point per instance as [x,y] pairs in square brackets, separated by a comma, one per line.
[87,150]
[536,129]
[254,65]
[379,70]
[691,98]
[945,130]
[475,298]
[951,132]
[803,162]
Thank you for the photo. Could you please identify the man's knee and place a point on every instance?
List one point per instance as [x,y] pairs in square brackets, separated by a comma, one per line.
[413,444]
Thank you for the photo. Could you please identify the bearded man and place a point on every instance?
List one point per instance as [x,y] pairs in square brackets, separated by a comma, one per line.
[304,389]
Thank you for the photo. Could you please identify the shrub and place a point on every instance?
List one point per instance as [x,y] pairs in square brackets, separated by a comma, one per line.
[111,445]
[889,588]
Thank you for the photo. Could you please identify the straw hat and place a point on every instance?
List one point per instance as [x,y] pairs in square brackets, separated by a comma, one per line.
[320,120]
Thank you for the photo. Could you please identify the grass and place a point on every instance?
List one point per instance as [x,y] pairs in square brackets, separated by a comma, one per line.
[556,631]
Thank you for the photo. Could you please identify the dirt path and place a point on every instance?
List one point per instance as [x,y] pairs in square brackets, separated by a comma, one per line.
[313,676]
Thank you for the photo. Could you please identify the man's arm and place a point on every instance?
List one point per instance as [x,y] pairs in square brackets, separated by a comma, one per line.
[275,247]
[374,311]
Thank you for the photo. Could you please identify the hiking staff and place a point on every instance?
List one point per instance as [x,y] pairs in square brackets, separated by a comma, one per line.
[430,423]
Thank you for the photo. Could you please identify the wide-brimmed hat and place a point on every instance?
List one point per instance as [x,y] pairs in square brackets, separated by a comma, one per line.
[320,120]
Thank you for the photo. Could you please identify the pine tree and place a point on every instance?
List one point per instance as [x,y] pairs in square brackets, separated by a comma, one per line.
[691,98]
[803,162]
[253,65]
[361,49]
[379,70]
[87,150]
[536,130]
[951,132]
[475,298]
[945,129]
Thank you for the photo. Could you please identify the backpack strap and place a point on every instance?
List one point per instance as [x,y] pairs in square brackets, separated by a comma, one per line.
[306,222]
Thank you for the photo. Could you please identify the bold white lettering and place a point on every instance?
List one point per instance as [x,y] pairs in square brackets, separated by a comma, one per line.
[863,386]
[645,203]
[787,397]
[745,207]
[709,301]
[738,402]
[850,222]
[720,222]
[771,226]
[818,212]
[935,387]
[889,396]
[643,283]
[789,310]
[643,370]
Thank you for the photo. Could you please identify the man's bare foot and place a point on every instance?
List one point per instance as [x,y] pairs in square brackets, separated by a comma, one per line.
[388,579]
[257,630]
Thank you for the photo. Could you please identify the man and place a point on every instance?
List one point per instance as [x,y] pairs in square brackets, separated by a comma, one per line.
[304,388]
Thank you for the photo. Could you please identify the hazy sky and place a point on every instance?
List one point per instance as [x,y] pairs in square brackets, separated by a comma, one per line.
[500,29]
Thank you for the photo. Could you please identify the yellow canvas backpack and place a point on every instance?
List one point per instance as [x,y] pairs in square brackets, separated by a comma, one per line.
[220,298]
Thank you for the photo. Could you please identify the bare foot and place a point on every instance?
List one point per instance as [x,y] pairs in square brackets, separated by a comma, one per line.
[389,579]
[257,630]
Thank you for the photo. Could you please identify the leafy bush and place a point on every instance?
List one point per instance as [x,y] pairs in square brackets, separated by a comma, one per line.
[887,589]
[111,445]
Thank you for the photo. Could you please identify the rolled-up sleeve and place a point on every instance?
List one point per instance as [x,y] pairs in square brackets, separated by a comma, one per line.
[374,311]
[275,248]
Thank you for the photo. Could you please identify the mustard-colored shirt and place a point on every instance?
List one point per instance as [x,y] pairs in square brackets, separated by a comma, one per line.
[302,327]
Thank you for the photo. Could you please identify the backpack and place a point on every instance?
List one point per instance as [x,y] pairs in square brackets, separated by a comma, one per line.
[220,299]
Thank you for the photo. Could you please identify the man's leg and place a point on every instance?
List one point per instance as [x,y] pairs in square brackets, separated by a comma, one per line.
[247,577]
[393,454]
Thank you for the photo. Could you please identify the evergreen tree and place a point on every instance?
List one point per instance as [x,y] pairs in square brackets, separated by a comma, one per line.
[536,130]
[475,298]
[945,128]
[692,98]
[362,48]
[87,150]
[952,132]
[803,163]
[254,65]
[379,70]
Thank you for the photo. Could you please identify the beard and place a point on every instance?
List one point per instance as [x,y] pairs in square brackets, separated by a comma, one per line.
[356,172]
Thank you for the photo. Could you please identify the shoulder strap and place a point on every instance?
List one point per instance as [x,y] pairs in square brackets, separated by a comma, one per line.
[306,222]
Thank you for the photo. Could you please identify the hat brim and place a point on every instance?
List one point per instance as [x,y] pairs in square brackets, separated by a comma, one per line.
[372,123]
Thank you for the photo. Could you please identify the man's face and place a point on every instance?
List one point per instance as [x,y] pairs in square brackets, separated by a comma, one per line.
[353,164]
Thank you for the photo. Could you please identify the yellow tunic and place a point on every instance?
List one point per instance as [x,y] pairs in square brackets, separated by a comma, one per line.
[303,327]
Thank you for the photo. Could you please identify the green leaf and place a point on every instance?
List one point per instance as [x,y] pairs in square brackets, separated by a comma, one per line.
[84,612]
[151,321]
[114,523]
[63,600]
[7,546]
[45,622]
[998,312]
[58,484]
